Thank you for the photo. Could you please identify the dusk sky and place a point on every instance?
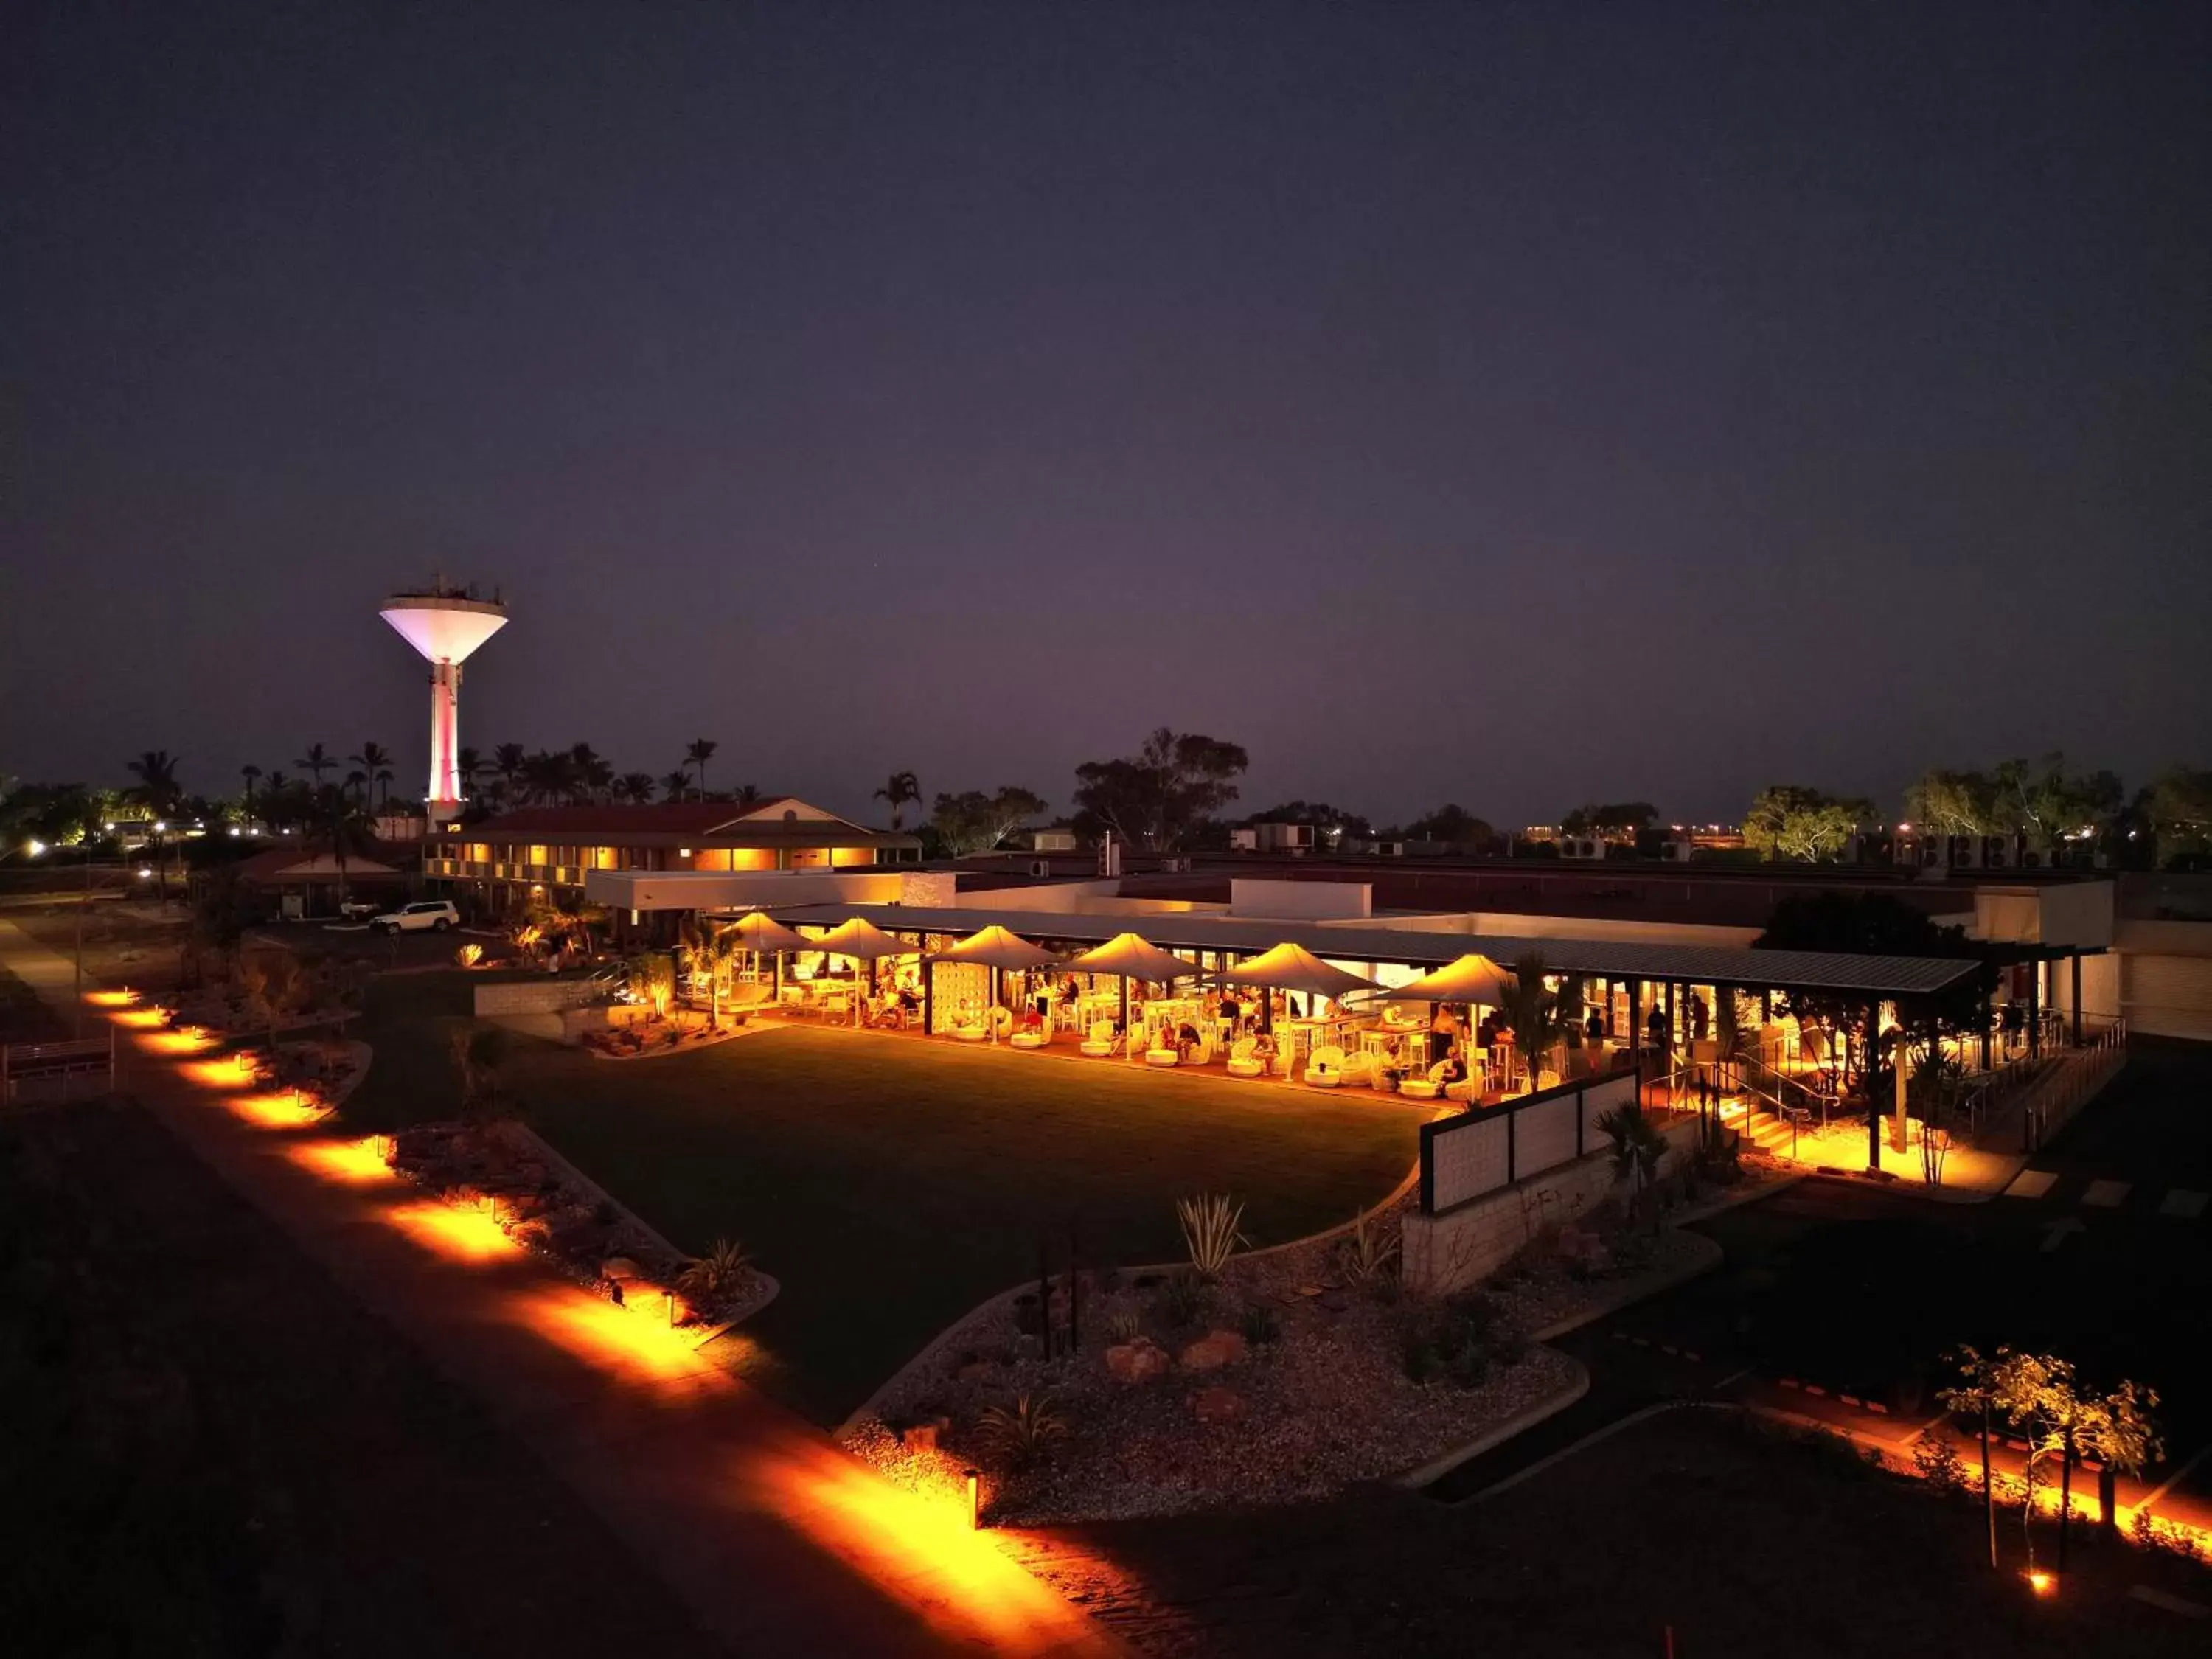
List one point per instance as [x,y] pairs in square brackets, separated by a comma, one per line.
[1509,404]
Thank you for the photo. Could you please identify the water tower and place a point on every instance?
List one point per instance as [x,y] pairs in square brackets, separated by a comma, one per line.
[445,625]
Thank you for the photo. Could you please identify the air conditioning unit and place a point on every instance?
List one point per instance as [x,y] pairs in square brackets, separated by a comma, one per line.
[1040,869]
[1674,851]
[1390,849]
[1966,852]
[1244,841]
[1997,852]
[1581,847]
[1177,865]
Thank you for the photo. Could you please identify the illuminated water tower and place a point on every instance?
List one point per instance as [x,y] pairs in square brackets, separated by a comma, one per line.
[445,625]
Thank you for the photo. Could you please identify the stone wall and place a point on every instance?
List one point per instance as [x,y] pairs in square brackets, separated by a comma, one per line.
[534,996]
[1450,1251]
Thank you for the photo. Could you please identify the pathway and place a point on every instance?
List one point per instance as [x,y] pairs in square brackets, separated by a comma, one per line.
[776,1539]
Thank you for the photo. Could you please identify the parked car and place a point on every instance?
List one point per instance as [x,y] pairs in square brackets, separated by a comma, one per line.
[435,915]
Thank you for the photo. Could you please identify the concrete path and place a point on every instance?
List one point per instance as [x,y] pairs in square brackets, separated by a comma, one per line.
[776,1539]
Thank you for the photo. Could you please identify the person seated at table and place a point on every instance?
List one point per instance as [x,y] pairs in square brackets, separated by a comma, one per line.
[1455,1068]
[1263,1049]
[908,1001]
[1595,1027]
[1186,1041]
[1070,991]
[1032,1020]
[1230,1014]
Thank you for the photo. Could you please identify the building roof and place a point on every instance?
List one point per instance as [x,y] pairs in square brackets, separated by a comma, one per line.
[279,865]
[669,823]
[1790,970]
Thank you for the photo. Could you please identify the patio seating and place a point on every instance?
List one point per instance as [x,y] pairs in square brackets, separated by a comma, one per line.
[1100,1043]
[1203,1054]
[1359,1071]
[1325,1067]
[1243,1061]
[1424,1088]
[971,1027]
[1035,1037]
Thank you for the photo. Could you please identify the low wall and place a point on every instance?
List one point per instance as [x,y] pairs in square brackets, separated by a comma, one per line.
[1458,1247]
[535,996]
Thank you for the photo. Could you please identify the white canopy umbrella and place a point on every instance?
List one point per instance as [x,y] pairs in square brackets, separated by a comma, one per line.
[861,940]
[1474,978]
[995,947]
[1294,967]
[1000,951]
[763,935]
[1126,957]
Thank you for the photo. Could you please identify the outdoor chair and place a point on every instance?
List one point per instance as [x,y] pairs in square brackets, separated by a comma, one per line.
[1325,1067]
[971,1029]
[1100,1043]
[1244,1060]
[1424,1088]
[1036,1039]
[1359,1071]
[1161,1051]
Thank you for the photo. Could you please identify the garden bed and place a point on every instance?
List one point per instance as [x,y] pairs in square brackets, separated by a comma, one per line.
[545,1204]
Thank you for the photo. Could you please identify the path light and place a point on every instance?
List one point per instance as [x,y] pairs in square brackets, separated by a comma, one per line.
[975,1501]
[2042,1582]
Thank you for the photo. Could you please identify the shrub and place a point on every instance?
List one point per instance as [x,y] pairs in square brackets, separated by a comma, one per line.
[1368,1253]
[1123,1326]
[1417,1353]
[1021,1432]
[716,1274]
[1452,1339]
[1210,1231]
[1937,1459]
[469,955]
[1183,1299]
[1259,1325]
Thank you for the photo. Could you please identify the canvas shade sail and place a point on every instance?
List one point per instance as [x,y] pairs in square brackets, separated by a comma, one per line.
[1474,978]
[761,933]
[864,941]
[995,947]
[1127,957]
[1294,967]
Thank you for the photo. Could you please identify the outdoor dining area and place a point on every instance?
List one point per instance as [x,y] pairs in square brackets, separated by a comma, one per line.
[1286,1014]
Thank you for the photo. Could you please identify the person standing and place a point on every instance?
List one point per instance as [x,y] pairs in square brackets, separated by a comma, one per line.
[1443,1032]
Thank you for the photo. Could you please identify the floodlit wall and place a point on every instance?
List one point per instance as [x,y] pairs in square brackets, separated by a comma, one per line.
[1301,900]
[1450,1251]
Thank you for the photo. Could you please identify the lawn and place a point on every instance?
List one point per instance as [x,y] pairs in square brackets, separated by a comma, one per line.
[892,1184]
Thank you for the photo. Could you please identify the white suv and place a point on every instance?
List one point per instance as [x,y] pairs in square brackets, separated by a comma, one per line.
[434,914]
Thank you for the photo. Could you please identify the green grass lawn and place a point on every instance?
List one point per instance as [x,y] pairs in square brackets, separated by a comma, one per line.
[893,1184]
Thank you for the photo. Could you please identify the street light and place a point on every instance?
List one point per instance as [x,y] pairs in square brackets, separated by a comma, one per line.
[34,847]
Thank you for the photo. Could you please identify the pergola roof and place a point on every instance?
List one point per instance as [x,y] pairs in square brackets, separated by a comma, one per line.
[995,946]
[1474,978]
[762,932]
[1290,966]
[1830,972]
[863,940]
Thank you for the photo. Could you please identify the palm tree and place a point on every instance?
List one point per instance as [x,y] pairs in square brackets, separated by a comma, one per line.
[676,786]
[701,751]
[1637,1146]
[373,758]
[590,777]
[898,789]
[745,794]
[547,777]
[249,773]
[357,782]
[471,765]
[1533,1013]
[158,791]
[317,759]
[508,760]
[339,826]
[635,787]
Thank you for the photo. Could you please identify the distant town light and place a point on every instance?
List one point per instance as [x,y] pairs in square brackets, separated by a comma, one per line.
[34,847]
[1904,828]
[145,873]
[158,826]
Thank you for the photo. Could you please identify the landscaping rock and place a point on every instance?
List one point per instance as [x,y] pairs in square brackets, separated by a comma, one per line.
[1136,1362]
[1214,1406]
[1213,1351]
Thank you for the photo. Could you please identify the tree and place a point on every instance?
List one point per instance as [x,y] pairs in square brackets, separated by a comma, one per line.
[973,821]
[1637,1146]
[707,953]
[250,773]
[1154,798]
[1946,803]
[1616,820]
[2180,810]
[1532,1012]
[1789,820]
[157,791]
[635,787]
[2039,800]
[471,766]
[701,751]
[899,789]
[374,761]
[479,1051]
[317,761]
[1451,823]
[340,827]
[1975,1395]
[590,778]
[675,786]
[508,760]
